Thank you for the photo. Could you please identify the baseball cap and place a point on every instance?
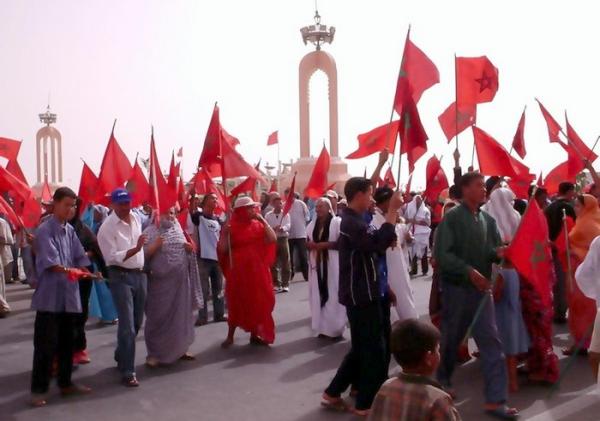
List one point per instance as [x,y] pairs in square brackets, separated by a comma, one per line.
[120,195]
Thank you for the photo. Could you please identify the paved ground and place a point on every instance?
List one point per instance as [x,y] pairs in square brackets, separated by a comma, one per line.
[244,382]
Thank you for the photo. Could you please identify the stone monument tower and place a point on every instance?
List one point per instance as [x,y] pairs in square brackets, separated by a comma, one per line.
[318,35]
[49,151]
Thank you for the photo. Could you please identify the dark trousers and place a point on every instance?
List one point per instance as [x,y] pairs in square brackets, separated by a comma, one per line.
[364,366]
[85,290]
[415,264]
[128,290]
[52,337]
[211,281]
[386,327]
[459,304]
[559,289]
[298,245]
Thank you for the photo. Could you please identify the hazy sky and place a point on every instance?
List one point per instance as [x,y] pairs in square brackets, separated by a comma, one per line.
[166,62]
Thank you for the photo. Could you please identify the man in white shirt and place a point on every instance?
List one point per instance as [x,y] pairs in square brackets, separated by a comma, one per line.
[6,239]
[299,217]
[281,270]
[121,241]
[211,278]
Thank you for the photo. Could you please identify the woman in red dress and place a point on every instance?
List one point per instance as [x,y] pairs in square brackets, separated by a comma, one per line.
[249,286]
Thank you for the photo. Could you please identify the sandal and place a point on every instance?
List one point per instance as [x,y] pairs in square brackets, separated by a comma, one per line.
[334,404]
[37,401]
[130,381]
[503,412]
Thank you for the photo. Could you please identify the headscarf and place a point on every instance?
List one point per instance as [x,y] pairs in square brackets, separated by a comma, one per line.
[500,207]
[587,227]
[172,249]
[587,273]
[320,234]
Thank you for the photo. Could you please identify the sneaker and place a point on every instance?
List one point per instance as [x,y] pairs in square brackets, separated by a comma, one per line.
[285,289]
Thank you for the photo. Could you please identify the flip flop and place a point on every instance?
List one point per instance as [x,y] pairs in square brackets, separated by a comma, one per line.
[503,412]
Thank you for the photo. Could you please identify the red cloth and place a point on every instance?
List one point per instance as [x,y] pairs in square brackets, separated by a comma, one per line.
[436,180]
[13,167]
[9,148]
[388,179]
[453,123]
[173,173]
[26,205]
[138,186]
[556,176]
[162,196]
[273,188]
[219,152]
[577,151]
[417,74]
[493,158]
[289,200]
[249,286]
[529,251]
[553,127]
[377,140]
[273,138]
[74,274]
[519,139]
[7,210]
[476,80]
[88,186]
[412,132]
[317,184]
[246,186]
[46,193]
[115,169]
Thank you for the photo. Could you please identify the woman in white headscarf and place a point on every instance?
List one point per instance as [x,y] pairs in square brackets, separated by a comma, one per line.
[509,317]
[328,315]
[588,281]
[418,218]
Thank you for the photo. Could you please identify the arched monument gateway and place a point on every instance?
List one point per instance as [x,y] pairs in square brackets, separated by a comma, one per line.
[318,35]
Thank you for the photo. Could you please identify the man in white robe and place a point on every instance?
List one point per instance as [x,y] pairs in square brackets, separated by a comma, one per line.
[418,218]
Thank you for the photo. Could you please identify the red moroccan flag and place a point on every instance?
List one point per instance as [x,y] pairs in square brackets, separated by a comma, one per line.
[317,184]
[10,214]
[412,133]
[376,140]
[553,127]
[273,187]
[138,186]
[407,189]
[476,80]
[453,123]
[556,176]
[417,74]
[46,193]
[289,200]
[9,148]
[14,168]
[522,179]
[580,148]
[246,186]
[173,173]
[219,152]
[27,206]
[31,212]
[493,158]
[529,251]
[115,169]
[88,186]
[162,197]
[436,180]
[388,179]
[519,139]
[203,183]
[273,138]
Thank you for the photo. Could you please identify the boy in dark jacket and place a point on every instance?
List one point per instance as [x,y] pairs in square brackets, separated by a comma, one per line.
[359,246]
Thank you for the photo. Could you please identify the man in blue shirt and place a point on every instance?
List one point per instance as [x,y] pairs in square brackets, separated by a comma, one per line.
[56,299]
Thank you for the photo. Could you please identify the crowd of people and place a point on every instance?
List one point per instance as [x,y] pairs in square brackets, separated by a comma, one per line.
[357,253]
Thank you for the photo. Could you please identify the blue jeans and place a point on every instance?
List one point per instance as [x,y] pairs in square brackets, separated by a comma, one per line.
[128,290]
[459,304]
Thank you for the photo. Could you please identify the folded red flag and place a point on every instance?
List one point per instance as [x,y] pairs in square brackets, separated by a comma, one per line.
[519,139]
[553,127]
[88,186]
[273,138]
[9,148]
[138,186]
[529,251]
[412,133]
[289,200]
[435,178]
[317,184]
[115,169]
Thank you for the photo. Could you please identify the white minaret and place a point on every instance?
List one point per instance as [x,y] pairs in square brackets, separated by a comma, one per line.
[49,167]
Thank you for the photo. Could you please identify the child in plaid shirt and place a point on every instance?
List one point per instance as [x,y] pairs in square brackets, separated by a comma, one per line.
[413,395]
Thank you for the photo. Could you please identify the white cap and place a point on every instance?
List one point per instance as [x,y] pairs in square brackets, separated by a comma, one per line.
[244,201]
[332,193]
